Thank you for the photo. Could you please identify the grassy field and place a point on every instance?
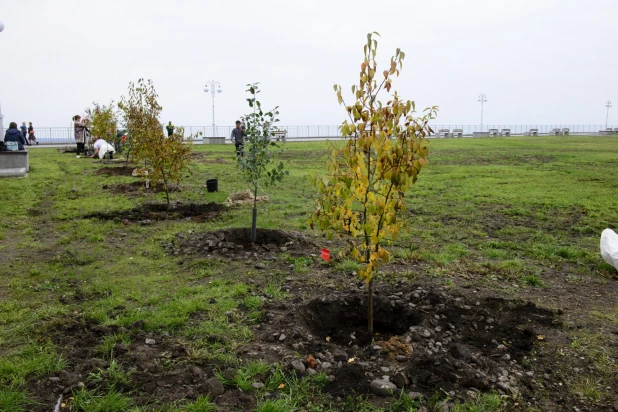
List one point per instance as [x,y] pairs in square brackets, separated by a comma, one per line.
[517,219]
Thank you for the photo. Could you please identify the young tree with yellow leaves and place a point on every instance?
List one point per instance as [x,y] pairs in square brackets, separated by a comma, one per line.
[362,197]
[168,157]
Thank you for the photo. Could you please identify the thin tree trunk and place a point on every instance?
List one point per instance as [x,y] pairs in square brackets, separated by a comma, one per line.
[128,155]
[167,192]
[254,220]
[370,308]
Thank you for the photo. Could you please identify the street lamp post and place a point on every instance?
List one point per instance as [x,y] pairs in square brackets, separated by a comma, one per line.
[214,87]
[482,99]
[608,105]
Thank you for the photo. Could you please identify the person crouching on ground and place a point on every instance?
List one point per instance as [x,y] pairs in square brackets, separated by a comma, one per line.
[102,148]
[13,134]
[238,137]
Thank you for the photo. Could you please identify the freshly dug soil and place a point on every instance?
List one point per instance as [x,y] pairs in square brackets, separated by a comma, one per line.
[228,240]
[426,340]
[149,213]
[116,171]
[138,187]
[160,369]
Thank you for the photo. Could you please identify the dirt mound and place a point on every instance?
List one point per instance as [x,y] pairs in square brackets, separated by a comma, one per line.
[160,368]
[138,187]
[426,340]
[229,240]
[116,171]
[244,196]
[153,212]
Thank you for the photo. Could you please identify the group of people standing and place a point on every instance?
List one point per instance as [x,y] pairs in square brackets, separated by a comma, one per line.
[28,132]
[23,136]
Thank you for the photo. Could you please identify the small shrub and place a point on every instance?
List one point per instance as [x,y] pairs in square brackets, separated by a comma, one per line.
[485,402]
[13,400]
[279,405]
[348,266]
[112,401]
[201,404]
[568,252]
[253,302]
[533,280]
[113,375]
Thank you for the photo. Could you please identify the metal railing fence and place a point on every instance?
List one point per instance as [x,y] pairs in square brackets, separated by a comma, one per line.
[64,135]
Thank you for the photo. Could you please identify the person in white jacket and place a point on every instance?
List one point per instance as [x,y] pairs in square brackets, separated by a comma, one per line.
[101,148]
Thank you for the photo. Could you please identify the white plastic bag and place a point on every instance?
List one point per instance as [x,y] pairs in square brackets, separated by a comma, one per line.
[609,247]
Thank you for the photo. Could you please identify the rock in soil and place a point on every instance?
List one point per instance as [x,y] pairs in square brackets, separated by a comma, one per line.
[400,380]
[298,366]
[214,387]
[383,387]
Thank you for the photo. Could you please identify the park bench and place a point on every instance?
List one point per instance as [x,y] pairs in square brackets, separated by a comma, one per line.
[606,131]
[14,163]
[457,132]
[493,132]
[213,140]
[67,149]
[443,132]
[532,132]
[280,135]
[615,130]
[565,131]
[506,132]
[555,132]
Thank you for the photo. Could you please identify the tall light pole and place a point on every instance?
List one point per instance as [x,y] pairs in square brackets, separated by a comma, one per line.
[482,99]
[608,105]
[214,87]
[1,116]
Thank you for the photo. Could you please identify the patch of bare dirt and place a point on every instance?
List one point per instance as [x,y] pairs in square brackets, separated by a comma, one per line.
[160,367]
[149,213]
[138,188]
[116,171]
[427,340]
[228,241]
[493,218]
[449,157]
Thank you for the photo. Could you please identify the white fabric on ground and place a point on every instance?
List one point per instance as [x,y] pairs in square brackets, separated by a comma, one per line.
[609,247]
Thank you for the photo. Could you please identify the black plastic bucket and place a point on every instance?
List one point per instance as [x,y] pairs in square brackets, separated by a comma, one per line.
[212,185]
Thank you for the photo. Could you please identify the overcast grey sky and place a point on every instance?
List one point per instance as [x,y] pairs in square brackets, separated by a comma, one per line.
[538,61]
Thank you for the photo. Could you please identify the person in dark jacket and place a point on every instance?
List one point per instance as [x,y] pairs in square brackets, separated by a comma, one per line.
[238,137]
[31,137]
[13,134]
[24,130]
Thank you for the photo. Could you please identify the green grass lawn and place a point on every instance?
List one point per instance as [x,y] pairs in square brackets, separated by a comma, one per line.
[520,217]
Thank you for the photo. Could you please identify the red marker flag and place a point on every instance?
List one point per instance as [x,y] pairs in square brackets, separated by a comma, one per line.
[325,254]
